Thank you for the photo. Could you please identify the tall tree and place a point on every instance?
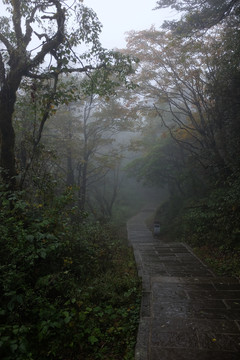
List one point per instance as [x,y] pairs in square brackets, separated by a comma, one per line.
[39,42]
[173,77]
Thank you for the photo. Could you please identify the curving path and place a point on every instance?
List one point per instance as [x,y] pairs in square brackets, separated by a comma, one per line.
[187,313]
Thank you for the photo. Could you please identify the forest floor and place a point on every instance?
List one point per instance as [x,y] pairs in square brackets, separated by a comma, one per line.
[187,312]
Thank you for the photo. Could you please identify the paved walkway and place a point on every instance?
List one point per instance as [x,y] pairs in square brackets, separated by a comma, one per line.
[187,313]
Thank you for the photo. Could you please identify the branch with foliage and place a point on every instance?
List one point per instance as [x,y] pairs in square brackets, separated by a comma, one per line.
[199,15]
[39,42]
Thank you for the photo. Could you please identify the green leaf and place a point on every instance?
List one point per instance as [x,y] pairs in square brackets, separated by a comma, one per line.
[92,339]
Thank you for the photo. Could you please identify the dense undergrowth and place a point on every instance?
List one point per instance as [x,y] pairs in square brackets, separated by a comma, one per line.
[69,289]
[210,225]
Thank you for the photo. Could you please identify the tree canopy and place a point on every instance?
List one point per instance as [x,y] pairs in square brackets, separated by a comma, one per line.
[198,14]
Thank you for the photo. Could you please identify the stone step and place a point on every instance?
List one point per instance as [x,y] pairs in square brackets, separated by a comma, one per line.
[186,312]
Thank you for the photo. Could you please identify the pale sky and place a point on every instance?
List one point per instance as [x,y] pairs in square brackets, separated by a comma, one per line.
[120,16]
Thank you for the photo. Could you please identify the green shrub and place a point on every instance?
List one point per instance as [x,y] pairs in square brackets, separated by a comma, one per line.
[222,261]
[60,287]
[214,220]
[209,224]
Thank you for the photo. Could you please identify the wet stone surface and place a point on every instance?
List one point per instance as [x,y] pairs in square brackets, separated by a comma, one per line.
[187,312]
[191,354]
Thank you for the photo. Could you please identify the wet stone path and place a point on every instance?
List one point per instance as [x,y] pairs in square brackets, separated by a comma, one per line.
[187,313]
